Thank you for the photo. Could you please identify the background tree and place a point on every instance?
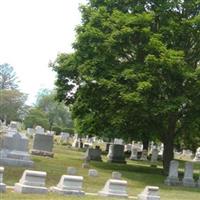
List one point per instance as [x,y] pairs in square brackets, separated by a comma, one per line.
[12,105]
[134,72]
[8,79]
[49,113]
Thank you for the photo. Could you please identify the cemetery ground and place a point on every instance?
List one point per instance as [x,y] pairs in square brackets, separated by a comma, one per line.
[138,174]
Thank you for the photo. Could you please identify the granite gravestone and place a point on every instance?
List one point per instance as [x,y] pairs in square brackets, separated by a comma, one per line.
[116,153]
[93,154]
[43,145]
[14,148]
[188,180]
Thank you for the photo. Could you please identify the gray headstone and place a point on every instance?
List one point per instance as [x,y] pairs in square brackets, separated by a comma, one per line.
[172,178]
[93,154]
[2,185]
[149,193]
[92,172]
[71,171]
[134,153]
[116,153]
[188,180]
[116,175]
[43,145]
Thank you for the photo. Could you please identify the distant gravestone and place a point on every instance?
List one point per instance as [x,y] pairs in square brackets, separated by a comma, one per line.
[39,130]
[2,185]
[116,153]
[172,178]
[93,154]
[197,155]
[92,172]
[71,171]
[64,137]
[154,155]
[30,131]
[188,180]
[127,148]
[43,145]
[149,193]
[14,148]
[116,175]
[118,141]
[134,153]
[31,182]
[144,155]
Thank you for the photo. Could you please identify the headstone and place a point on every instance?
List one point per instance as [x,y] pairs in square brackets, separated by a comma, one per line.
[30,131]
[92,172]
[2,185]
[134,153]
[64,137]
[172,178]
[197,155]
[31,182]
[149,193]
[14,148]
[116,175]
[154,155]
[116,153]
[94,154]
[75,143]
[144,155]
[71,171]
[39,130]
[118,141]
[127,148]
[69,185]
[43,145]
[114,188]
[188,180]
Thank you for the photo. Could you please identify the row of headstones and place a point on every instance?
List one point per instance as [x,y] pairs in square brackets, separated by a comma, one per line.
[187,180]
[33,182]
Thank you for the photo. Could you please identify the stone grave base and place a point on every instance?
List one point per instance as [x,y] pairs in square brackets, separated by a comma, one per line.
[16,162]
[188,182]
[67,192]
[172,181]
[27,189]
[42,153]
[2,187]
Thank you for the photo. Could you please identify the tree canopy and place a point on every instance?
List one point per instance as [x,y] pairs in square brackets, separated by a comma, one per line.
[134,72]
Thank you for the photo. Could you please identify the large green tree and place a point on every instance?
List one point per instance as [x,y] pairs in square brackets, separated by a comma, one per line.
[134,72]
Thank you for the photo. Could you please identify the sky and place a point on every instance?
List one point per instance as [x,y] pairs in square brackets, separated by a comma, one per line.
[33,32]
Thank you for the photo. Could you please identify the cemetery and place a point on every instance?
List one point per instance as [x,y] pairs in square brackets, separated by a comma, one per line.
[64,174]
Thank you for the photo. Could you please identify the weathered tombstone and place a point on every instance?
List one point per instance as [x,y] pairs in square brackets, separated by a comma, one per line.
[154,155]
[172,178]
[31,182]
[92,172]
[149,193]
[75,143]
[64,137]
[39,130]
[93,154]
[69,185]
[188,180]
[118,141]
[116,175]
[30,131]
[127,148]
[197,155]
[43,145]
[144,155]
[114,188]
[14,148]
[2,185]
[134,153]
[116,153]
[71,171]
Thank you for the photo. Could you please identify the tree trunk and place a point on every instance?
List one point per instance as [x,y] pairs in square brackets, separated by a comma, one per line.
[145,144]
[168,140]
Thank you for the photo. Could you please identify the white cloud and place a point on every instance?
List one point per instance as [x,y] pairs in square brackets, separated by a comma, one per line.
[34,32]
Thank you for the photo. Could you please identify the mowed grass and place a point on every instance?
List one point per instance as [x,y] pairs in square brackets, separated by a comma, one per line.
[138,174]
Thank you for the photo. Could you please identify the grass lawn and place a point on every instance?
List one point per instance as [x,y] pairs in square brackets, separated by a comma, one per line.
[138,174]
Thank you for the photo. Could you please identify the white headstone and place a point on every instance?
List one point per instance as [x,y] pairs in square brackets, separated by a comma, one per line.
[134,153]
[69,185]
[116,175]
[92,172]
[172,178]
[39,130]
[114,188]
[71,171]
[144,155]
[31,182]
[197,155]
[118,141]
[188,180]
[2,185]
[149,193]
[154,155]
